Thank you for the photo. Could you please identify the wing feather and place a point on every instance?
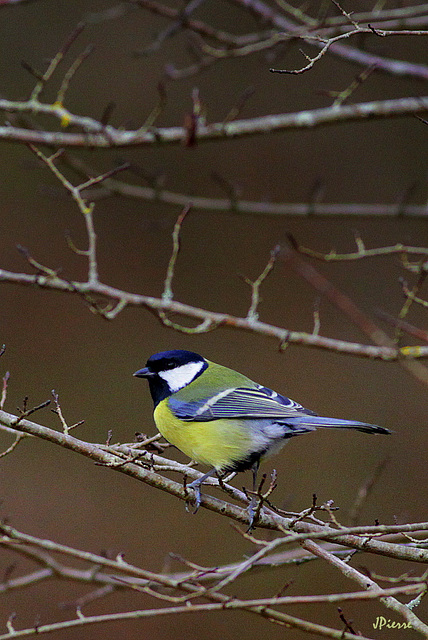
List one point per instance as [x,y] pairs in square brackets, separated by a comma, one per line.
[239,402]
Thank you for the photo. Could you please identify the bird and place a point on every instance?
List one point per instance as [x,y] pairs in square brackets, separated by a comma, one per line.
[222,419]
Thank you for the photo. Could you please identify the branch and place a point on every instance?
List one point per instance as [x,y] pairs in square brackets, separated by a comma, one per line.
[284,336]
[36,549]
[255,285]
[97,135]
[347,306]
[184,21]
[270,614]
[116,300]
[329,43]
[362,252]
[363,58]
[355,537]
[295,530]
[258,606]
[313,32]
[402,16]
[371,585]
[259,208]
[233,203]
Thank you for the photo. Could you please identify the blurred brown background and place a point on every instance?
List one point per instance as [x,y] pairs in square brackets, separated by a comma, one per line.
[54,342]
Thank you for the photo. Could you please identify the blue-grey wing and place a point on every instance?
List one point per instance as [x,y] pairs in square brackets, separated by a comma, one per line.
[239,402]
[287,402]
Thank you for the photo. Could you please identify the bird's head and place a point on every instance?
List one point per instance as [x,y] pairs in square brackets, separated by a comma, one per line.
[170,371]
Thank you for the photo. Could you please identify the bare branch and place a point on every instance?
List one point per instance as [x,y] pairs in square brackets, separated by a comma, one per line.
[334,256]
[295,531]
[402,325]
[196,26]
[255,606]
[212,318]
[207,324]
[256,284]
[69,75]
[329,44]
[364,491]
[96,135]
[85,208]
[54,63]
[410,295]
[167,292]
[4,389]
[60,415]
[396,67]
[368,583]
[13,446]
[260,208]
[349,308]
[354,537]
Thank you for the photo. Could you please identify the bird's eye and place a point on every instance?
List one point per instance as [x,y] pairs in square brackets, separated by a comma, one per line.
[170,365]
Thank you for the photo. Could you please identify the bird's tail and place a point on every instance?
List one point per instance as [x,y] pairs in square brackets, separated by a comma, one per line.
[337,423]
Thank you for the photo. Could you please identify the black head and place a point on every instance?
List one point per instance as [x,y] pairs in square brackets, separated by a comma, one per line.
[169,371]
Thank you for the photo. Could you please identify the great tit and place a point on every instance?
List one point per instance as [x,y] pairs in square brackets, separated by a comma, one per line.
[221,418]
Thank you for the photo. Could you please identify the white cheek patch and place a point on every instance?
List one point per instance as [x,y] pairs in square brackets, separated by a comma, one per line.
[181,376]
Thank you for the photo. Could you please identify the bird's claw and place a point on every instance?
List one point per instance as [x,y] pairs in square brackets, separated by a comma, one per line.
[196,486]
[251,515]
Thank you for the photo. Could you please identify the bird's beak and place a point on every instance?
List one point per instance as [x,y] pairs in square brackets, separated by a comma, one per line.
[144,373]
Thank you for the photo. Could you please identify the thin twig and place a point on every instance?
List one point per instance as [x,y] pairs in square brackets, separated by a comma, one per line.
[4,389]
[256,284]
[55,62]
[364,491]
[70,73]
[167,292]
[18,438]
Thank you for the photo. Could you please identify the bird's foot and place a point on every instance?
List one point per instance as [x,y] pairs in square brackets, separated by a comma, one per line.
[196,486]
[253,514]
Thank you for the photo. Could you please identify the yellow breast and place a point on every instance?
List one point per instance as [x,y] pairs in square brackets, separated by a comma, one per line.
[217,443]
